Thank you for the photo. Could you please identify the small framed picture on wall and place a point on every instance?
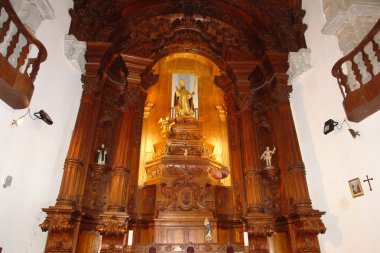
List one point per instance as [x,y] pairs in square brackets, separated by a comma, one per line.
[356,187]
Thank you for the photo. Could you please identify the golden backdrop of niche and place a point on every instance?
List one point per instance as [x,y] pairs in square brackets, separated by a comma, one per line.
[187,63]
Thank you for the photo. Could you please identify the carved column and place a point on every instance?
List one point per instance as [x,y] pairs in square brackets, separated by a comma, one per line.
[304,223]
[63,219]
[127,137]
[74,163]
[289,142]
[113,226]
[140,77]
[120,170]
[250,157]
[235,151]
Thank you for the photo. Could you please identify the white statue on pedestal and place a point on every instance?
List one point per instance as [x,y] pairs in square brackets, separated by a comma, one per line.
[267,156]
[207,224]
[101,156]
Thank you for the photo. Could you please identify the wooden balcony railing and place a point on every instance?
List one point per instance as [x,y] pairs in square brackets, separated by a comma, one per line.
[17,71]
[359,78]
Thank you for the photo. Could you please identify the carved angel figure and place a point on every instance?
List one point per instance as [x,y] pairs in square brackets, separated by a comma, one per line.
[166,126]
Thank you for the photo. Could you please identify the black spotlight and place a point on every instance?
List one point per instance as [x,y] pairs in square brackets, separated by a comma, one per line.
[44,116]
[329,126]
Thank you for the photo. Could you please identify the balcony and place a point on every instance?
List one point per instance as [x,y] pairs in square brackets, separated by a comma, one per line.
[17,70]
[359,78]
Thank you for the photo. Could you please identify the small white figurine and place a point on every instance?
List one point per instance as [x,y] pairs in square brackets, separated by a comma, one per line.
[267,156]
[207,229]
[101,155]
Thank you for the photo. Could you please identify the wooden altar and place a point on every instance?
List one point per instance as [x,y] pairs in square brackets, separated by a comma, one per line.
[180,191]
[99,203]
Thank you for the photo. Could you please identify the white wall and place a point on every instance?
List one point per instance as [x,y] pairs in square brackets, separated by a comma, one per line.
[33,154]
[353,224]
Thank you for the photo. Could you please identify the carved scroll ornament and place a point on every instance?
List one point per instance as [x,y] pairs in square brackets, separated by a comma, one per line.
[58,223]
[112,227]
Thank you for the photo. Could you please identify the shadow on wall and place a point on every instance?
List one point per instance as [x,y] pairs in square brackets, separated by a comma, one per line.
[313,171]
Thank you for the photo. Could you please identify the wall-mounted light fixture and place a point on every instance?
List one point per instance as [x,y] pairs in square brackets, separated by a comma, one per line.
[331,124]
[42,115]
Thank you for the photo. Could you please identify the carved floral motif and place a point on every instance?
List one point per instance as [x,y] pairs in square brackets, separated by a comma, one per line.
[311,227]
[112,227]
[261,229]
[238,200]
[57,223]
[95,194]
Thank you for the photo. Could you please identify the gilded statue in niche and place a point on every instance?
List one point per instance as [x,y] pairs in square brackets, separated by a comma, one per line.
[183,101]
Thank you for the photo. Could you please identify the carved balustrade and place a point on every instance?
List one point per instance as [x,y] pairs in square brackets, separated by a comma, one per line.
[358,77]
[17,71]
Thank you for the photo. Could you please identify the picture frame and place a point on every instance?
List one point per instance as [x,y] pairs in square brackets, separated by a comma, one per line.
[356,187]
